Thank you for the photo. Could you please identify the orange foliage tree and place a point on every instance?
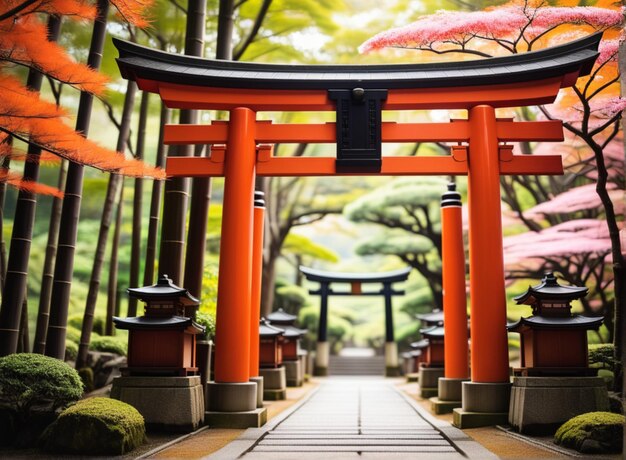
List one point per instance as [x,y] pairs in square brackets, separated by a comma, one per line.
[24,42]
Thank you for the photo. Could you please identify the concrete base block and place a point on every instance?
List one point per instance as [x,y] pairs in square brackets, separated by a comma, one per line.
[492,398]
[412,377]
[539,405]
[275,383]
[166,403]
[429,381]
[391,371]
[391,354]
[438,406]
[451,389]
[320,371]
[463,419]
[249,419]
[259,391]
[232,397]
[294,374]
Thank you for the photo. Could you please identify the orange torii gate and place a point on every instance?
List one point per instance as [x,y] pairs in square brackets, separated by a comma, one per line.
[242,150]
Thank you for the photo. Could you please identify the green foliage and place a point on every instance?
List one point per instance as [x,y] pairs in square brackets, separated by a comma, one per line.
[96,426]
[208,301]
[73,334]
[419,301]
[603,356]
[76,322]
[208,321]
[291,298]
[117,345]
[305,247]
[28,379]
[394,243]
[594,432]
[71,350]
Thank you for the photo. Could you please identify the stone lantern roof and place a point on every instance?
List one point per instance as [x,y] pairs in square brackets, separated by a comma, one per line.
[281,317]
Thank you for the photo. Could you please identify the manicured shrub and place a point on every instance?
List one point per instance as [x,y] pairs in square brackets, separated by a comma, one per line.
[96,426]
[594,432]
[109,344]
[32,388]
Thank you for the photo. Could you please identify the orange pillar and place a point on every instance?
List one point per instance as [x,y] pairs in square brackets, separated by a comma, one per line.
[489,347]
[234,289]
[257,272]
[454,298]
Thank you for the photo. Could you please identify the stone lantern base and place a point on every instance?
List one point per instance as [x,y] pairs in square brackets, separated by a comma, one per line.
[275,383]
[483,404]
[166,403]
[539,405]
[294,373]
[428,378]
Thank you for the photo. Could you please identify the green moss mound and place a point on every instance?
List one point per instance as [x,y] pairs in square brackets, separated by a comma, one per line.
[73,334]
[96,426]
[109,344]
[591,433]
[71,350]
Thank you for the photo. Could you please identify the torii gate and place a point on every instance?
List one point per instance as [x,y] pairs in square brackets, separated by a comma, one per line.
[358,94]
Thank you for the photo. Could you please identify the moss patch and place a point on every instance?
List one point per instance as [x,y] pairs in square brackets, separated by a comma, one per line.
[109,344]
[96,426]
[594,432]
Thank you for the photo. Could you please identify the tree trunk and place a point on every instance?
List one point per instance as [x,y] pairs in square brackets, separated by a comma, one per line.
[47,277]
[268,279]
[113,186]
[177,190]
[113,266]
[3,250]
[135,252]
[16,276]
[64,266]
[155,203]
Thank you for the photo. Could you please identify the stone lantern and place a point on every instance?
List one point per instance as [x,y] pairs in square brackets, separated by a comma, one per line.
[554,382]
[431,367]
[430,319]
[271,361]
[553,340]
[294,358]
[163,341]
[161,379]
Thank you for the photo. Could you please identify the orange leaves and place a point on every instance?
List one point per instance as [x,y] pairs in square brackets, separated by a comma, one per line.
[25,115]
[25,42]
[133,11]
[72,8]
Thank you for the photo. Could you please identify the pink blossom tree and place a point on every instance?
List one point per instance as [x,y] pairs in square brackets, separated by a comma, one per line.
[591,112]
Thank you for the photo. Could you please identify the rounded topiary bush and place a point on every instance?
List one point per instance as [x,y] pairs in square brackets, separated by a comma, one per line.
[109,344]
[96,426]
[32,388]
[594,432]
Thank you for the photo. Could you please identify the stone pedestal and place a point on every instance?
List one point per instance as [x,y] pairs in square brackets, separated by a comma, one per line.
[303,356]
[539,405]
[429,381]
[293,373]
[483,404]
[274,384]
[322,357]
[234,405]
[392,366]
[259,390]
[449,395]
[166,403]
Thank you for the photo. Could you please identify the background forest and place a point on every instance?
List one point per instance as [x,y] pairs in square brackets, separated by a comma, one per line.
[569,224]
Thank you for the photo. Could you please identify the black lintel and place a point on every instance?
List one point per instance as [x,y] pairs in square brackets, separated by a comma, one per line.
[359,120]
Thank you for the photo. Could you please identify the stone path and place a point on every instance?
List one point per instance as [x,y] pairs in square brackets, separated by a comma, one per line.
[353,418]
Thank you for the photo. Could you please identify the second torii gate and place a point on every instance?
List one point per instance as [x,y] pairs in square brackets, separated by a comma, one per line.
[358,94]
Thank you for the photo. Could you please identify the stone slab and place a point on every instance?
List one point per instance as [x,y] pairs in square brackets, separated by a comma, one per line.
[274,378]
[539,405]
[429,377]
[177,408]
[248,419]
[357,442]
[438,406]
[427,393]
[293,373]
[464,419]
[486,397]
[412,377]
[330,448]
[393,371]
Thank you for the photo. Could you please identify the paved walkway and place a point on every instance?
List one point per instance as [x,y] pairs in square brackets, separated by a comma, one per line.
[352,418]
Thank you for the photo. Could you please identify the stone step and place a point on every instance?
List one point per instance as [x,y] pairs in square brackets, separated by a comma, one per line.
[356,365]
